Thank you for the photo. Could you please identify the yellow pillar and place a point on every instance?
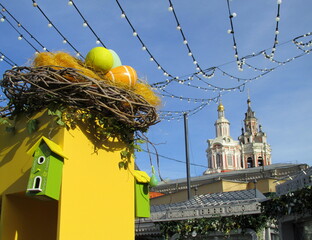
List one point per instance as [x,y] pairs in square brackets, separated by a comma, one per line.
[97,197]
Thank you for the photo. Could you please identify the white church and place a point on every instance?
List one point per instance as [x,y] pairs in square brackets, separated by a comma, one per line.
[250,150]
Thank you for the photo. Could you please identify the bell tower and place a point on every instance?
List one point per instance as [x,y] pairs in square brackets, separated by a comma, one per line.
[256,151]
[223,152]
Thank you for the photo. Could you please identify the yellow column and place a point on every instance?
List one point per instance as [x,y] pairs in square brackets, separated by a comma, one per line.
[97,197]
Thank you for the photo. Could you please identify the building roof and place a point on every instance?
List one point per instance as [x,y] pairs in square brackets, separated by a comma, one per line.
[276,171]
[208,205]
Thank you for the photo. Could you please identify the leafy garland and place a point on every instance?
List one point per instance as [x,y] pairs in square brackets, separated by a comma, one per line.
[204,226]
[298,202]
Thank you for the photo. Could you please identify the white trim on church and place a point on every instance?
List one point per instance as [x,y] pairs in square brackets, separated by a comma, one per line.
[251,150]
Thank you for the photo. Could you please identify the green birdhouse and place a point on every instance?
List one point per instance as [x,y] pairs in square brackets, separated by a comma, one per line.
[46,172]
[142,201]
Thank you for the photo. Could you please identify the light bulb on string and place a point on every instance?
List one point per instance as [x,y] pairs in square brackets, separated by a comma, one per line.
[3,10]
[2,19]
[97,42]
[123,15]
[170,9]
[85,24]
[20,37]
[64,41]
[135,34]
[70,3]
[50,25]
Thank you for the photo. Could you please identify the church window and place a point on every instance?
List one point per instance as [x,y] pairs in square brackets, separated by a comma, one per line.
[260,161]
[218,161]
[230,159]
[249,162]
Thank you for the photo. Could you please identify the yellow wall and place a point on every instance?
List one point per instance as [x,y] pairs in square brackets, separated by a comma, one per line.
[28,218]
[229,186]
[265,185]
[97,198]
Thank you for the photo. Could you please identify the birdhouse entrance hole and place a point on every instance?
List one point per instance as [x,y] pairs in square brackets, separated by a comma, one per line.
[37,184]
[41,159]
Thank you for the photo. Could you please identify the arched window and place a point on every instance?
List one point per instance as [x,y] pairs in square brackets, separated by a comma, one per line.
[260,161]
[249,162]
[37,183]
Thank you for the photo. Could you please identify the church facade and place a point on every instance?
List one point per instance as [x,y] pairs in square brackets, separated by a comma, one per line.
[250,150]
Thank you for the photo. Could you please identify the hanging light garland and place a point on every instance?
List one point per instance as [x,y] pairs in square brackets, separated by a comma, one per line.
[85,23]
[20,37]
[144,47]
[50,24]
[4,58]
[21,26]
[199,70]
[232,32]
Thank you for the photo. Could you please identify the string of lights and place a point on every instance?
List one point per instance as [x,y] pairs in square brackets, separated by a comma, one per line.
[20,25]
[163,84]
[232,32]
[50,24]
[20,37]
[277,19]
[177,115]
[185,41]
[85,23]
[4,58]
[302,45]
[144,47]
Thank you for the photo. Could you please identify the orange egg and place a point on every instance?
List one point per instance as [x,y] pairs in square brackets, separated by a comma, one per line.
[123,75]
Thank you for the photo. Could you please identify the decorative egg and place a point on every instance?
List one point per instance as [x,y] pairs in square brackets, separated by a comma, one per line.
[123,75]
[100,58]
[116,58]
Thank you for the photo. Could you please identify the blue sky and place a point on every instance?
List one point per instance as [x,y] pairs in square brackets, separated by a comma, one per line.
[281,99]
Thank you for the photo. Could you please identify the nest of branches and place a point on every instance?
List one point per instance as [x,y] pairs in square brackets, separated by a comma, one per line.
[31,89]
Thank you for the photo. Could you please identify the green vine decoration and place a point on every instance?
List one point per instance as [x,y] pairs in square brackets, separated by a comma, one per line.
[104,112]
[298,202]
[205,226]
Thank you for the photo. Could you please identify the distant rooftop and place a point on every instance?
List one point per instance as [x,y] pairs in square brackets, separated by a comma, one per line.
[276,171]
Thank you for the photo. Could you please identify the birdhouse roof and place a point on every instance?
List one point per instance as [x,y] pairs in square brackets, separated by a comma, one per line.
[52,145]
[141,176]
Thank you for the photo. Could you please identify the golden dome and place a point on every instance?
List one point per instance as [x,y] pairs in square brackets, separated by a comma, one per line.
[220,108]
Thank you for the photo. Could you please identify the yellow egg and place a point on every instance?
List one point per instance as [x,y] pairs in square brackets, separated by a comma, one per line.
[100,59]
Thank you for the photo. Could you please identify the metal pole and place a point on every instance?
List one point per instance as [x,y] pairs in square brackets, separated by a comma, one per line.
[188,178]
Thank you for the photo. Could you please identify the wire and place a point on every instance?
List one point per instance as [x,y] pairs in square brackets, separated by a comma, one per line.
[65,40]
[176,160]
[20,34]
[85,23]
[20,25]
